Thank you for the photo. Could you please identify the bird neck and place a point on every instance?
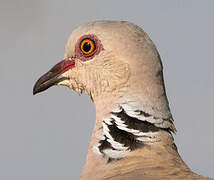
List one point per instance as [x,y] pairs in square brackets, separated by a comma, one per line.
[123,126]
[159,159]
[120,136]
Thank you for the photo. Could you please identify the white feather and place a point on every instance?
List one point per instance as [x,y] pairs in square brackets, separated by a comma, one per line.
[115,154]
[120,124]
[116,118]
[117,145]
[108,121]
[106,131]
[148,134]
[117,110]
[131,111]
[96,149]
[146,139]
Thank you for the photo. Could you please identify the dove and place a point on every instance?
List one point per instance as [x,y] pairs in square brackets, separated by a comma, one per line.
[119,67]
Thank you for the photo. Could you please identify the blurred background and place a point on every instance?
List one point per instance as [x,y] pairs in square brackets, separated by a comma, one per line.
[45,137]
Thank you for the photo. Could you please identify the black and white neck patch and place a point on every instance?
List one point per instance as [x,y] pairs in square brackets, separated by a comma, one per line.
[126,130]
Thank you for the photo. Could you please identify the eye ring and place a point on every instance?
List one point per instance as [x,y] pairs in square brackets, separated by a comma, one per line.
[87,46]
[98,47]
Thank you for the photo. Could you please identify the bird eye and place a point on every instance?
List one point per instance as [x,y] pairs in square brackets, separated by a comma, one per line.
[87,46]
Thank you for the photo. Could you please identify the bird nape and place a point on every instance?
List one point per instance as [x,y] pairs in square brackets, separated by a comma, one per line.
[119,67]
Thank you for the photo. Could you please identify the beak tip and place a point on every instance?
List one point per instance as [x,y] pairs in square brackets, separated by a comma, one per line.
[37,88]
[35,91]
[53,76]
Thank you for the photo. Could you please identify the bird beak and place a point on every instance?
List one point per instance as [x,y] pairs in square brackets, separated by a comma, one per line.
[54,76]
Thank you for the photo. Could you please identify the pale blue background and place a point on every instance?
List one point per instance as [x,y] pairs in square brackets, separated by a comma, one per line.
[45,137]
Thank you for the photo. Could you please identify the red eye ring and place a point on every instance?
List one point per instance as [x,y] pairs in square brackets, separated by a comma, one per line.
[94,47]
[87,46]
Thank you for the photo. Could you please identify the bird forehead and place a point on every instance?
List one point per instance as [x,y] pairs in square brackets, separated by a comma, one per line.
[108,30]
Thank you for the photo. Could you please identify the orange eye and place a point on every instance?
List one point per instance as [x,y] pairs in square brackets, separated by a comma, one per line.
[87,46]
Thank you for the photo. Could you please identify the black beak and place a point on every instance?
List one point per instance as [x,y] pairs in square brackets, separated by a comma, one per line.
[53,76]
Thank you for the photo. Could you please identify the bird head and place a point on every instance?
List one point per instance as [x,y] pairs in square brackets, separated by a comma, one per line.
[111,57]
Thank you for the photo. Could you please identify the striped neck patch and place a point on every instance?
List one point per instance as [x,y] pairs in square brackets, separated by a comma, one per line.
[123,133]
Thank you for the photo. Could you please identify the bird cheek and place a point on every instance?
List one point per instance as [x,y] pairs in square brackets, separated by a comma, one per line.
[71,81]
[68,78]
[65,82]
